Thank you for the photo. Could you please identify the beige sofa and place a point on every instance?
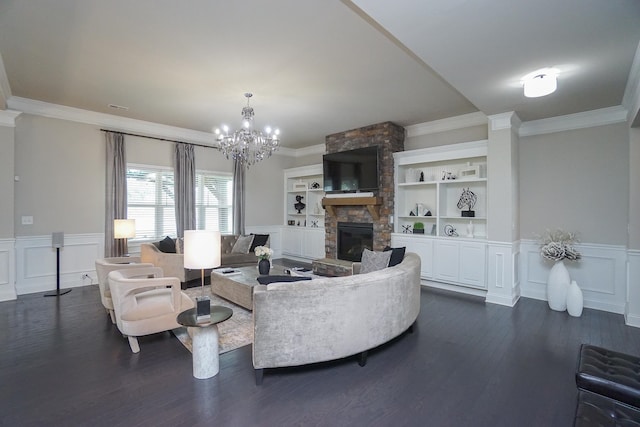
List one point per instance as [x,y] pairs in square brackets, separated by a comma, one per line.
[324,319]
[172,264]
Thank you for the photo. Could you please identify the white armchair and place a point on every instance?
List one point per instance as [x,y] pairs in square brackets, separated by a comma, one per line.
[104,266]
[145,302]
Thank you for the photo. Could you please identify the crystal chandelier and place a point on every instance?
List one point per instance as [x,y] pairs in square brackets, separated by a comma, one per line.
[248,145]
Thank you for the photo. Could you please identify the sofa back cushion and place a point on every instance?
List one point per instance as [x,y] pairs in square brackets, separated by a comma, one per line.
[374,261]
[167,245]
[242,245]
[258,240]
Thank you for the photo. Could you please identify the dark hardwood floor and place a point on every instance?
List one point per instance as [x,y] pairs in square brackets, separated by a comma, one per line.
[62,363]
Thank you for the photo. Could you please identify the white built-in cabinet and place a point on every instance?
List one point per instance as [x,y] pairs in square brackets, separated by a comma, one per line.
[303,231]
[428,186]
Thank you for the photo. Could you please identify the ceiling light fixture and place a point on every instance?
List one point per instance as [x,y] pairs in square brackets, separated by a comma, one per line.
[540,82]
[247,145]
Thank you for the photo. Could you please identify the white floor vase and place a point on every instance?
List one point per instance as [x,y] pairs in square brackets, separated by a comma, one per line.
[557,286]
[575,301]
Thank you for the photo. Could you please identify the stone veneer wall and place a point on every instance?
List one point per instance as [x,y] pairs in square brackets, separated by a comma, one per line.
[390,137]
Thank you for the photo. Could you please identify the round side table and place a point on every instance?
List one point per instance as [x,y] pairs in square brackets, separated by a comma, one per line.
[204,338]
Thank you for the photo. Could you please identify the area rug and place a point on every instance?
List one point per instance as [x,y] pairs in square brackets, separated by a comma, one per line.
[234,333]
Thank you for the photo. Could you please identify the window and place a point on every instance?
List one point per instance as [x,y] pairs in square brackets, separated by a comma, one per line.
[151,202]
[214,202]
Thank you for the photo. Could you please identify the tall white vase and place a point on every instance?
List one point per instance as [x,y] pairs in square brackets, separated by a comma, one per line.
[575,300]
[557,286]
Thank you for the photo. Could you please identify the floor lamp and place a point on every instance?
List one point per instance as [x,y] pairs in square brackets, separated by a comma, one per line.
[124,229]
[57,242]
[202,250]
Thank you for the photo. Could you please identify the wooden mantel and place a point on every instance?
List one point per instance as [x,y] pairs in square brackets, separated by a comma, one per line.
[371,203]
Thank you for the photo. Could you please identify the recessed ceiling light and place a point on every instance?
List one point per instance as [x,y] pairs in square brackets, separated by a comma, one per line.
[540,82]
[118,107]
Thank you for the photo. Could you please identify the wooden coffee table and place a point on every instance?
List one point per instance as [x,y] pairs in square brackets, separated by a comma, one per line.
[238,287]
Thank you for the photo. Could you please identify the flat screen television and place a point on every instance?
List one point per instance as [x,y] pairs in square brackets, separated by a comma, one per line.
[351,171]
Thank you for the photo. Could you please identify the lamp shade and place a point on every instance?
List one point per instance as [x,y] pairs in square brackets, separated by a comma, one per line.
[201,249]
[124,228]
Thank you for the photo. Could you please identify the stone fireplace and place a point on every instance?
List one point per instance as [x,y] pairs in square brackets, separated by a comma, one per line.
[390,138]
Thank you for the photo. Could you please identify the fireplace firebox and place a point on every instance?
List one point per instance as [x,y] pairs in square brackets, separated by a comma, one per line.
[353,237]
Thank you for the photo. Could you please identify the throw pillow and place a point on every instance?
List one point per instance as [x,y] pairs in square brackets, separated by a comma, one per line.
[265,280]
[168,245]
[258,240]
[397,255]
[374,261]
[242,245]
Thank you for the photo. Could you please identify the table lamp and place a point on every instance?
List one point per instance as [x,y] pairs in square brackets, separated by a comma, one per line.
[202,250]
[124,229]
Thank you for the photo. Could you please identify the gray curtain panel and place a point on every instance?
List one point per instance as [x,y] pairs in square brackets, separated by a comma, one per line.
[238,197]
[185,188]
[116,192]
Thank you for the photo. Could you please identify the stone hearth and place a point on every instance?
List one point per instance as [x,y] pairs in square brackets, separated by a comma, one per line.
[390,137]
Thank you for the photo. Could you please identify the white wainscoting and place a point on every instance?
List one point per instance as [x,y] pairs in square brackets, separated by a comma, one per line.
[36,262]
[7,270]
[601,274]
[503,280]
[632,313]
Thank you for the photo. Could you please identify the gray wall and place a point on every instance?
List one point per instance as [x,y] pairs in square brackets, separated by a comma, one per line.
[474,133]
[634,190]
[6,181]
[578,181]
[61,165]
[61,170]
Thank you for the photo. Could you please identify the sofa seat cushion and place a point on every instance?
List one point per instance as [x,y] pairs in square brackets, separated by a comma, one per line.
[609,373]
[230,260]
[148,304]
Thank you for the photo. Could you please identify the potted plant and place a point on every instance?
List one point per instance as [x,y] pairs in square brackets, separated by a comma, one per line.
[557,246]
[264,253]
[418,228]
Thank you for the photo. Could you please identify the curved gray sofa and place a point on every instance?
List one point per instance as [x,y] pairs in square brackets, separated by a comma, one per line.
[324,319]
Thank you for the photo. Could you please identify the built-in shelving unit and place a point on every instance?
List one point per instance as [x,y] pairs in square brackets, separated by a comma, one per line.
[303,233]
[428,186]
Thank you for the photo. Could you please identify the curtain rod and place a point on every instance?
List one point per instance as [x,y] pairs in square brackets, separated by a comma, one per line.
[159,139]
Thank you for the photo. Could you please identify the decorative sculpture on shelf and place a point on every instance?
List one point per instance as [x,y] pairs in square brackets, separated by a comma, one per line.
[406,228]
[299,205]
[450,230]
[469,199]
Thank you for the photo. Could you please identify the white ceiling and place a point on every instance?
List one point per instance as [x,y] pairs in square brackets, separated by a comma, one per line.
[316,67]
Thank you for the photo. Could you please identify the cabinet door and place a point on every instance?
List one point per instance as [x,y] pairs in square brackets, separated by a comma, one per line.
[423,248]
[447,260]
[473,264]
[313,243]
[292,241]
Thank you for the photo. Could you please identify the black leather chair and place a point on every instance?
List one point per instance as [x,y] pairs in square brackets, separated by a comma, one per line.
[609,388]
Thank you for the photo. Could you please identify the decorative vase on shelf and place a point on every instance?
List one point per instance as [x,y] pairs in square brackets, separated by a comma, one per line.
[263,266]
[575,300]
[557,286]
[470,229]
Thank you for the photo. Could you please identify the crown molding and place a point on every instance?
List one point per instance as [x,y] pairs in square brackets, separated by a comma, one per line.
[444,125]
[110,121]
[124,124]
[5,88]
[586,119]
[310,150]
[631,98]
[8,118]
[508,120]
